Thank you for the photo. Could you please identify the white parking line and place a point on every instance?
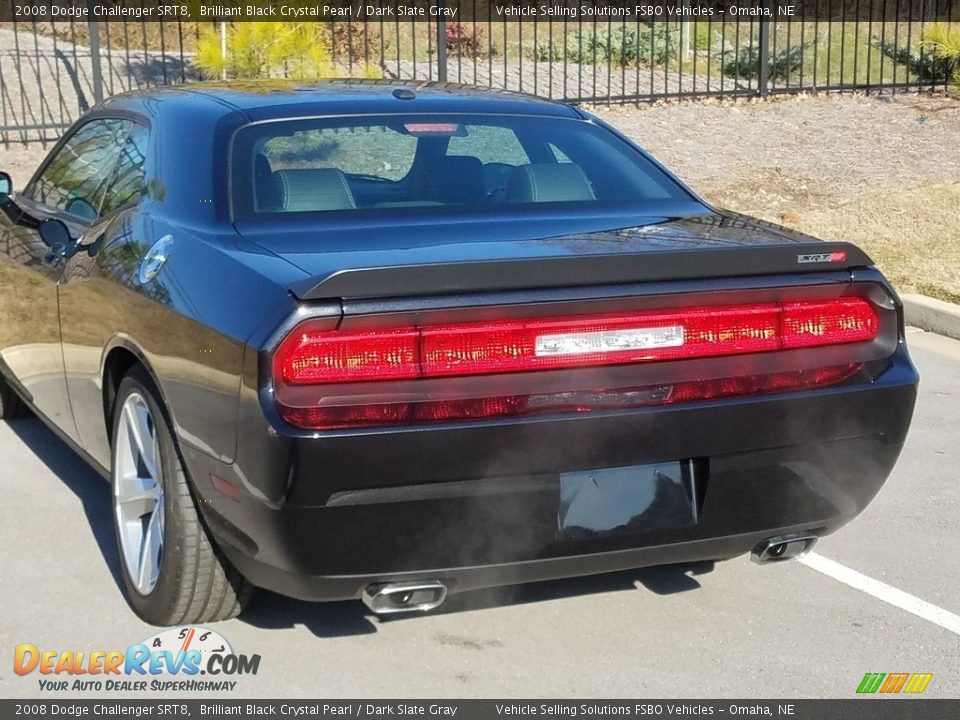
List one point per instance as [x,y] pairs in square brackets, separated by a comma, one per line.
[880,590]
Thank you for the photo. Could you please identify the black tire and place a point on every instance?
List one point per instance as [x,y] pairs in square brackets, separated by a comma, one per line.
[196,583]
[10,404]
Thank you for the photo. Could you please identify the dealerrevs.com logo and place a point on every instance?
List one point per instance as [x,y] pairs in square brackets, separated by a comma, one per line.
[171,661]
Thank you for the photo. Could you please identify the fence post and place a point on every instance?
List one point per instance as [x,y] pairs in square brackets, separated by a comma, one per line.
[686,34]
[96,70]
[441,43]
[763,79]
[223,50]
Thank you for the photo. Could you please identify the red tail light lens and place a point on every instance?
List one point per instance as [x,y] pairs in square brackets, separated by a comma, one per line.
[832,322]
[312,356]
[548,344]
[403,413]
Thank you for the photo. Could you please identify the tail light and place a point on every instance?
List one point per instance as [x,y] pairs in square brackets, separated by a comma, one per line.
[311,356]
[403,413]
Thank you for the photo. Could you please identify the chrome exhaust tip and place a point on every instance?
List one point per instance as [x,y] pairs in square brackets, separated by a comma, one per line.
[783,547]
[392,598]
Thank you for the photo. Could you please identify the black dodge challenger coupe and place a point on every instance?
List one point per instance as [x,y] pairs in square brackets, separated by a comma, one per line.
[388,341]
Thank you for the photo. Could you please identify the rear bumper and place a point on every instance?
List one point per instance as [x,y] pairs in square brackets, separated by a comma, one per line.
[463,579]
[477,505]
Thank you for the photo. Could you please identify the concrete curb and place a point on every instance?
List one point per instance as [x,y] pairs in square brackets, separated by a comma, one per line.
[932,315]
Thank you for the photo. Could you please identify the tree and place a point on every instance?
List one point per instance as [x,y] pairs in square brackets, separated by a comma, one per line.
[268,50]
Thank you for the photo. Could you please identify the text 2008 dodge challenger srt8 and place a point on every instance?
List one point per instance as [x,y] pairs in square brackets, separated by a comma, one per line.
[359,339]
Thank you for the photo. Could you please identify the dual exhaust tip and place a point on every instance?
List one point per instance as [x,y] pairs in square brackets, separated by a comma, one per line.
[422,596]
[782,547]
[404,597]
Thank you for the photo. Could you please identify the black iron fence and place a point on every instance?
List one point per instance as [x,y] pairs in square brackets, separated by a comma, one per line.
[52,70]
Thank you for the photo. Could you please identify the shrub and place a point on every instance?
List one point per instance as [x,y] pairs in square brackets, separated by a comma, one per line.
[464,40]
[572,47]
[701,37]
[352,42]
[944,42]
[269,50]
[654,45]
[745,64]
[923,66]
[548,51]
[304,149]
[264,50]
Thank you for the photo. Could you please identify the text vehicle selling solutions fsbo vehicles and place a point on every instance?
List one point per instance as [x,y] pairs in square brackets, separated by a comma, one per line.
[370,340]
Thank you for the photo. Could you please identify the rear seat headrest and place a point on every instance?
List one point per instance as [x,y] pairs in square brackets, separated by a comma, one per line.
[549,182]
[314,189]
[262,170]
[267,186]
[459,180]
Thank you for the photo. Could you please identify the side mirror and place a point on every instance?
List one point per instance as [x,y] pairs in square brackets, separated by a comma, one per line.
[6,184]
[56,236]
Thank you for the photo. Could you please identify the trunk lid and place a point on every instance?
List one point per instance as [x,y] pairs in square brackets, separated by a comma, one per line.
[431,256]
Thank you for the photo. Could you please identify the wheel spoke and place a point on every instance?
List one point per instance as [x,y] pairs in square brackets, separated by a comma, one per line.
[136,504]
[138,493]
[138,424]
[150,554]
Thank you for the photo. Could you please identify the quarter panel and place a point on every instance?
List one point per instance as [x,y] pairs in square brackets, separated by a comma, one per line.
[188,325]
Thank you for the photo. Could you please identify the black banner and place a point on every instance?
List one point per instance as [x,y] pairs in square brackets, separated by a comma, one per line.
[854,709]
[480,10]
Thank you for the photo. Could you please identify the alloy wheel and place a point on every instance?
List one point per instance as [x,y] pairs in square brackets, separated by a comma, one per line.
[138,493]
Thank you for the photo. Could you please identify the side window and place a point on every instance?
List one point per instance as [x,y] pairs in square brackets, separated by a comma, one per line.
[489,144]
[76,177]
[126,184]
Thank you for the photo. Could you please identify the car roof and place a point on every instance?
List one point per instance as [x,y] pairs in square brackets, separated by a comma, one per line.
[272,99]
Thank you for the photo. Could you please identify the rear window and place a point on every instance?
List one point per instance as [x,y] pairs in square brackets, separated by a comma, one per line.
[355,151]
[379,164]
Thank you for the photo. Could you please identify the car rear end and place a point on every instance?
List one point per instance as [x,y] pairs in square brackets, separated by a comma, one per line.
[472,441]
[577,369]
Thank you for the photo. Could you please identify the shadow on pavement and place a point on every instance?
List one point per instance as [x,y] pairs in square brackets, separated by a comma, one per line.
[84,482]
[338,619]
[271,611]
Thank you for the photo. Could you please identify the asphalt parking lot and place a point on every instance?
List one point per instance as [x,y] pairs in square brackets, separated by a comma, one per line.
[733,630]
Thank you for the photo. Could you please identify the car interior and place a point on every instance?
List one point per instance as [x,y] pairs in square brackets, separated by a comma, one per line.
[436,177]
[457,180]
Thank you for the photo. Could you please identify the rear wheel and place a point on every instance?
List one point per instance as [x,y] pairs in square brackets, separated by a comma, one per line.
[10,404]
[172,571]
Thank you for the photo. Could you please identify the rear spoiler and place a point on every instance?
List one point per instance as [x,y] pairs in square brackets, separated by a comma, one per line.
[581,270]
